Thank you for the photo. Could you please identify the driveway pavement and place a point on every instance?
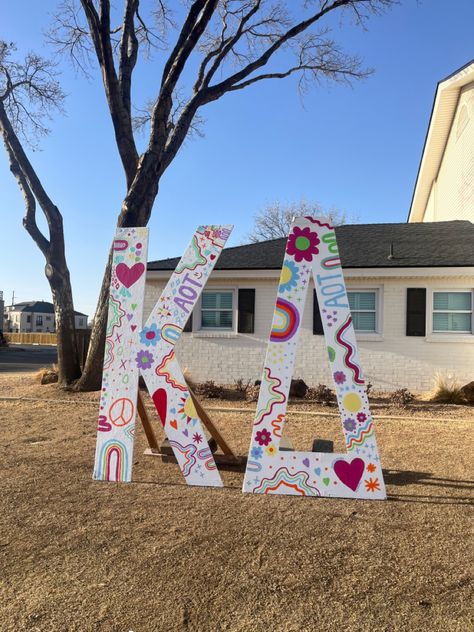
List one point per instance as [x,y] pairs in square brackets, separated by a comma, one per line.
[26,358]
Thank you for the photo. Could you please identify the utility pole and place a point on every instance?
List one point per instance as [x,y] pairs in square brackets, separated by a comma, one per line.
[13,298]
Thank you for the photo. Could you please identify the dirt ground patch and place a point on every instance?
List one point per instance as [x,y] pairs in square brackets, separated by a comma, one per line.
[79,555]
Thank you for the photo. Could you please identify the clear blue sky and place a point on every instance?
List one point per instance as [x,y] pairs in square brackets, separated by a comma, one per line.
[355,148]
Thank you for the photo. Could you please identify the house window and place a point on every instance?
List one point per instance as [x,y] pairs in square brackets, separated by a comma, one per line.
[28,318]
[363,306]
[452,312]
[81,322]
[217,310]
[39,321]
[48,318]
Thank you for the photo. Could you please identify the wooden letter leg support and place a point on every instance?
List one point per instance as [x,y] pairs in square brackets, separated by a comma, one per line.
[227,460]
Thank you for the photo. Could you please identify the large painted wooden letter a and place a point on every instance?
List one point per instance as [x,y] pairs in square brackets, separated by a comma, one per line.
[312,249]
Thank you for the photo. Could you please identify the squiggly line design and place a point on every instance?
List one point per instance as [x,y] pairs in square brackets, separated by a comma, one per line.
[188,451]
[205,453]
[350,351]
[198,260]
[277,424]
[297,482]
[109,353]
[163,371]
[360,438]
[254,466]
[116,314]
[274,396]
[313,220]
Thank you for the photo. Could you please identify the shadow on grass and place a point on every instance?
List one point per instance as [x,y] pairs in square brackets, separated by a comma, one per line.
[401,478]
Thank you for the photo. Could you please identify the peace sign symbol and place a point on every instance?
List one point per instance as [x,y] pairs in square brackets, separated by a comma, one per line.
[121,412]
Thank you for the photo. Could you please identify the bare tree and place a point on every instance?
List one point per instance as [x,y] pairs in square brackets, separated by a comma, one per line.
[28,92]
[274,220]
[230,42]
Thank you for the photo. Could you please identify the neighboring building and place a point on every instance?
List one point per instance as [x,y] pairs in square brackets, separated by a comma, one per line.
[444,188]
[411,294]
[36,316]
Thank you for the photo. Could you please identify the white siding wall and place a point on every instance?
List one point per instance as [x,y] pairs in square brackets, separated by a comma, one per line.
[452,194]
[390,362]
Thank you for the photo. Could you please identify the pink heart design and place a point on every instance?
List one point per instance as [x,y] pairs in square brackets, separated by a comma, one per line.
[133,327]
[127,275]
[349,473]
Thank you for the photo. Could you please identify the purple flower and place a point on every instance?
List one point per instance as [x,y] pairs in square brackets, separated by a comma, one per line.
[339,377]
[263,437]
[350,424]
[144,359]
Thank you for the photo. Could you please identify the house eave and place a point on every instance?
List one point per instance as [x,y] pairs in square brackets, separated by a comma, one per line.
[441,119]
[349,273]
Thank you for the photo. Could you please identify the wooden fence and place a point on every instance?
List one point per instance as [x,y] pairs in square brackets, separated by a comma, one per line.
[83,337]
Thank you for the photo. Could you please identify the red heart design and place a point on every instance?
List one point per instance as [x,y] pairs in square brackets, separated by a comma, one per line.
[174,423]
[127,275]
[212,257]
[349,473]
[133,327]
[160,399]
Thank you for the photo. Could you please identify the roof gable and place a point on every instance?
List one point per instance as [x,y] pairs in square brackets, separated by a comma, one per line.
[441,119]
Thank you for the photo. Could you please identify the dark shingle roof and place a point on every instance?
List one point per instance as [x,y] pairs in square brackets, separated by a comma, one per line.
[38,307]
[428,244]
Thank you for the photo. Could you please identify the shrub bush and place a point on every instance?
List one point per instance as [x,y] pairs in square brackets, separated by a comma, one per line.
[401,398]
[446,390]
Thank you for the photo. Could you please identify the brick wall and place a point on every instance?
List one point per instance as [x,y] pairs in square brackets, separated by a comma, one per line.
[390,361]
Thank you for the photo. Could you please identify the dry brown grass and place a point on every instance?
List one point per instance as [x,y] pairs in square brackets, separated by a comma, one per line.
[156,555]
[39,375]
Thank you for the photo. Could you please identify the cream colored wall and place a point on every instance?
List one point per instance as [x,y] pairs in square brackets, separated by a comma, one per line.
[452,194]
[390,361]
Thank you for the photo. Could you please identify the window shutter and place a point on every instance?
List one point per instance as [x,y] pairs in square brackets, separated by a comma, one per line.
[246,322]
[189,323]
[317,322]
[416,311]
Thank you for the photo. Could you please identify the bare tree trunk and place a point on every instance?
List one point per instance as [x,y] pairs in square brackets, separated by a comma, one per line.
[53,250]
[136,211]
[68,359]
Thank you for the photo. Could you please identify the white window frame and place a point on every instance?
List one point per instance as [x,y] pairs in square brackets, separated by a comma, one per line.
[216,330]
[431,311]
[378,289]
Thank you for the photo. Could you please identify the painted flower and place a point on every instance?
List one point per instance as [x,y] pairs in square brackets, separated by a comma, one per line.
[256,453]
[144,359]
[339,377]
[150,335]
[263,437]
[271,450]
[361,417]
[350,424]
[289,276]
[197,438]
[372,484]
[303,244]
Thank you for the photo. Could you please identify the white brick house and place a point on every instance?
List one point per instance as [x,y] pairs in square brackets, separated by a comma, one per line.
[411,293]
